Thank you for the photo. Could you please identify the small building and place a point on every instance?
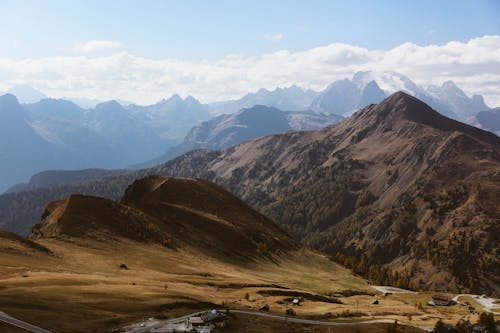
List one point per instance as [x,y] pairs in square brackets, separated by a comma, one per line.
[296,302]
[196,322]
[441,300]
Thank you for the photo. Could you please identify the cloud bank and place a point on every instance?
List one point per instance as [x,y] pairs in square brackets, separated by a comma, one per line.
[474,65]
[95,45]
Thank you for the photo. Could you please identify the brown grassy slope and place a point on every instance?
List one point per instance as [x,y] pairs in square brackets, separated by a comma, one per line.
[80,288]
[78,216]
[216,218]
[172,212]
[12,243]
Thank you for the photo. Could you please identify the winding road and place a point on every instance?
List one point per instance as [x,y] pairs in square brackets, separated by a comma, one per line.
[21,324]
[158,325]
[393,290]
[312,322]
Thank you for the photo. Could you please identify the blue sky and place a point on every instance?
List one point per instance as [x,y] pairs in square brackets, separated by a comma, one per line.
[144,51]
[211,29]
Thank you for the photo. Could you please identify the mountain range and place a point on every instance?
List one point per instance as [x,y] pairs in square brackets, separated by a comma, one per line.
[22,150]
[489,120]
[58,134]
[397,184]
[346,96]
[292,98]
[111,135]
[341,97]
[232,129]
[396,187]
[26,94]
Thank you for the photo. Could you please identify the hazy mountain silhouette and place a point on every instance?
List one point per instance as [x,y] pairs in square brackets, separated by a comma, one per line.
[26,93]
[232,129]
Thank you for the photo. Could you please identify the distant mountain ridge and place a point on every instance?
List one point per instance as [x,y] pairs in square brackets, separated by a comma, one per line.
[344,96]
[26,94]
[341,97]
[171,118]
[52,178]
[489,120]
[372,87]
[292,98]
[111,135]
[232,129]
[21,145]
[58,134]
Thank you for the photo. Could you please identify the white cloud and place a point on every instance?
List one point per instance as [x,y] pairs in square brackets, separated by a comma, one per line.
[274,37]
[474,65]
[95,45]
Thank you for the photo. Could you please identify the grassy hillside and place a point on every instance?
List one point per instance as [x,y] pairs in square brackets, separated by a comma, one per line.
[171,247]
[81,288]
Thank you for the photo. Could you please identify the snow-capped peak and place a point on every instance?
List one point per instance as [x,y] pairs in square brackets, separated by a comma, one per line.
[388,81]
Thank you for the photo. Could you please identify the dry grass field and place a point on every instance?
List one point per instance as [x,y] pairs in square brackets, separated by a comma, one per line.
[80,287]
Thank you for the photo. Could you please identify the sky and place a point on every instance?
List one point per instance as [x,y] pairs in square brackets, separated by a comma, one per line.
[147,50]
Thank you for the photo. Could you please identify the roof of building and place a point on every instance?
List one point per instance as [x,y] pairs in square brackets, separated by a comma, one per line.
[441,298]
[196,320]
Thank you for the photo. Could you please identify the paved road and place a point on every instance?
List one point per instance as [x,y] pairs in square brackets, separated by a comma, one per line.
[313,322]
[157,325]
[393,290]
[22,324]
[326,323]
